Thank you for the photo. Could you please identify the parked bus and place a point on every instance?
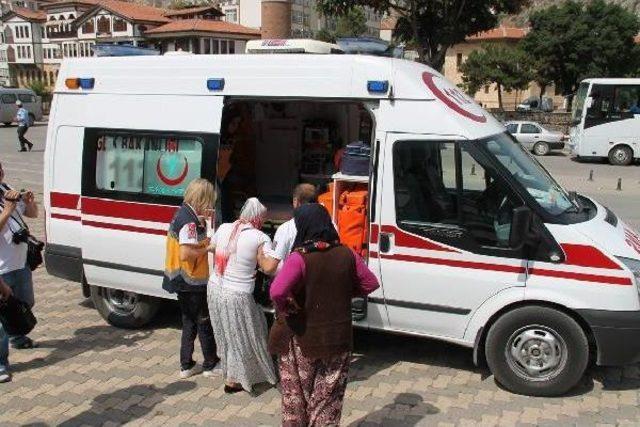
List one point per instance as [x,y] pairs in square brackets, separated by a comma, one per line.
[606,120]
[473,241]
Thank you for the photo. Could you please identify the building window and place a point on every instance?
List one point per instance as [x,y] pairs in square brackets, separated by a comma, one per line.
[232,46]
[26,32]
[104,26]
[119,25]
[206,46]
[88,27]
[458,61]
[215,47]
[223,46]
[231,15]
[486,89]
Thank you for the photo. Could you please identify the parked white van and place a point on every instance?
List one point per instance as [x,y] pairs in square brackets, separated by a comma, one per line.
[8,109]
[473,241]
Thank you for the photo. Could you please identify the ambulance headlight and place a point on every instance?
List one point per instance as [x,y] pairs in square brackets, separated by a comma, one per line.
[634,266]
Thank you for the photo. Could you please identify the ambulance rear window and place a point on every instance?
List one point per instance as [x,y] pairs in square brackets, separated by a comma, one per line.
[155,165]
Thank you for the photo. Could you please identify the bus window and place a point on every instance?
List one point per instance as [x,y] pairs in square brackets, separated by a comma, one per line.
[598,112]
[578,103]
[626,102]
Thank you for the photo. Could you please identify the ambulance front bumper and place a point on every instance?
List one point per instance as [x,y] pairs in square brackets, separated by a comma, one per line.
[617,335]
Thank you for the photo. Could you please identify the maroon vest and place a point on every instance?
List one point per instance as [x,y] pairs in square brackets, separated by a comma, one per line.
[323,327]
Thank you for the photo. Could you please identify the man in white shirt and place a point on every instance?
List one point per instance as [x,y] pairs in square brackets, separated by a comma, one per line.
[286,233]
[14,272]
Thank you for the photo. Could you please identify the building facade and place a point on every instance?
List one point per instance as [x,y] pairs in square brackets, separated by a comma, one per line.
[34,42]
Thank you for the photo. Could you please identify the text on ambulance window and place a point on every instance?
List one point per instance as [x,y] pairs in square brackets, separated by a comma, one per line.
[148,164]
[441,184]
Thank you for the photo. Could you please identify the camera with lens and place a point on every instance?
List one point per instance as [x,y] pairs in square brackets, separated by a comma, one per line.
[20,236]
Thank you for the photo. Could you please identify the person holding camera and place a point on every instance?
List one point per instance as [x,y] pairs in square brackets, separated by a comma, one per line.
[13,249]
[5,375]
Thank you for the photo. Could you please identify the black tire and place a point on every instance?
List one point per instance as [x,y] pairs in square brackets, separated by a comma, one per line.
[621,155]
[541,148]
[124,309]
[529,329]
[7,124]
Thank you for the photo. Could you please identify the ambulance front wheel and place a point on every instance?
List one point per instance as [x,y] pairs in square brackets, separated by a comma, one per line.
[124,309]
[537,351]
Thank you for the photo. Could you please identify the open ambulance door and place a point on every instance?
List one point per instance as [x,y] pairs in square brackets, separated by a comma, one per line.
[137,162]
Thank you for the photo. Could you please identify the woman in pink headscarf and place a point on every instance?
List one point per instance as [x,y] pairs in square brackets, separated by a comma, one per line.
[239,324]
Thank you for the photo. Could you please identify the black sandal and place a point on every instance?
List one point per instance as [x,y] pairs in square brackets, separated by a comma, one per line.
[25,344]
[232,389]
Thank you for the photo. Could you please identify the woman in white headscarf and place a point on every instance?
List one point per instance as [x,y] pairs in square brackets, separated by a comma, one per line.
[239,324]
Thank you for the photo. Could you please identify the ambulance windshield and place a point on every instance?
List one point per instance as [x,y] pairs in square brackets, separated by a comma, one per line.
[530,174]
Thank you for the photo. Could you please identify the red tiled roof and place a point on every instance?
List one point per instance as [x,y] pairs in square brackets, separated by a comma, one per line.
[388,24]
[193,11]
[26,14]
[57,4]
[500,33]
[204,25]
[134,11]
[127,10]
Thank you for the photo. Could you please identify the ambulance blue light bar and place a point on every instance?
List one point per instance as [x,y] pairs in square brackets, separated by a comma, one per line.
[215,84]
[80,83]
[87,83]
[378,86]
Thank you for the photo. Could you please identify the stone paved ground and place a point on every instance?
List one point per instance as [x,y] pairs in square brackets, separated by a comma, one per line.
[88,373]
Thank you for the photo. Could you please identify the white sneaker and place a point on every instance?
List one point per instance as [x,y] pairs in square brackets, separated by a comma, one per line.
[5,377]
[217,370]
[186,373]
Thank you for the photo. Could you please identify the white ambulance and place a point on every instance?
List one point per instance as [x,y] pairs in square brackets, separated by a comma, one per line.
[473,241]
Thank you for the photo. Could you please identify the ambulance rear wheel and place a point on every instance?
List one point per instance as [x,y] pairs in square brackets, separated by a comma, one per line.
[124,309]
[537,351]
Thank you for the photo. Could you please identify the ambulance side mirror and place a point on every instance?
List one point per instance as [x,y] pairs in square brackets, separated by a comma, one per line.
[520,226]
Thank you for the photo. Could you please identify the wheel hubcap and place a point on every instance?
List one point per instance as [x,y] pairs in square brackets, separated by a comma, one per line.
[121,302]
[536,353]
[620,155]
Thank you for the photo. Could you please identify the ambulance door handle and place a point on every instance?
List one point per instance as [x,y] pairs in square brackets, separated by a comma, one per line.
[385,242]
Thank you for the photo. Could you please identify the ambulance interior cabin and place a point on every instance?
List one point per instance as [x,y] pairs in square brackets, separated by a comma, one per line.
[268,147]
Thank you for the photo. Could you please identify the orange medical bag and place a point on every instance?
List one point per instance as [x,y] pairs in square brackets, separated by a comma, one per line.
[352,220]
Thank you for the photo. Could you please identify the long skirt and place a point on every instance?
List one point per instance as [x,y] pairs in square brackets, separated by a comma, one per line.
[240,330]
[312,389]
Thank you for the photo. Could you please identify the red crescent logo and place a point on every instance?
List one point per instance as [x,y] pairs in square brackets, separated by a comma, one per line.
[449,99]
[169,181]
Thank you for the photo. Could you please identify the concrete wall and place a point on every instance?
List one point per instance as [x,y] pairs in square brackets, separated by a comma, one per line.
[560,121]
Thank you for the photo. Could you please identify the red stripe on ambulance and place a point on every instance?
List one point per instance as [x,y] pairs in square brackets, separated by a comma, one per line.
[587,256]
[123,227]
[64,200]
[128,210]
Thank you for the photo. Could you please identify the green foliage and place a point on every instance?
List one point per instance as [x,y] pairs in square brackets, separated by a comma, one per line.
[185,4]
[352,24]
[39,87]
[573,41]
[503,65]
[432,26]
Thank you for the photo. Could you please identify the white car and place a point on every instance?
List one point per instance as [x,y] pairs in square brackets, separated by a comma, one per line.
[535,137]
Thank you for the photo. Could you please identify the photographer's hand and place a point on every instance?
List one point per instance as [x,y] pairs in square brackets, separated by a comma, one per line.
[30,205]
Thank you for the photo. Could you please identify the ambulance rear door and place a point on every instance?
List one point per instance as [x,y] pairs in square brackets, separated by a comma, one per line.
[139,155]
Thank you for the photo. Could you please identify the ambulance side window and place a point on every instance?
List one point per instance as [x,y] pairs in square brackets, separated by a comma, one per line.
[445,194]
[144,166]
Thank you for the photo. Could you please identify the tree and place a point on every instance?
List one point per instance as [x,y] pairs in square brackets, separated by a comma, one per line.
[352,24]
[505,66]
[39,88]
[432,26]
[573,41]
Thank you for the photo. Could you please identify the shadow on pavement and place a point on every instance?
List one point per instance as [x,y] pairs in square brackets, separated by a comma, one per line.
[94,338]
[139,400]
[377,351]
[402,403]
